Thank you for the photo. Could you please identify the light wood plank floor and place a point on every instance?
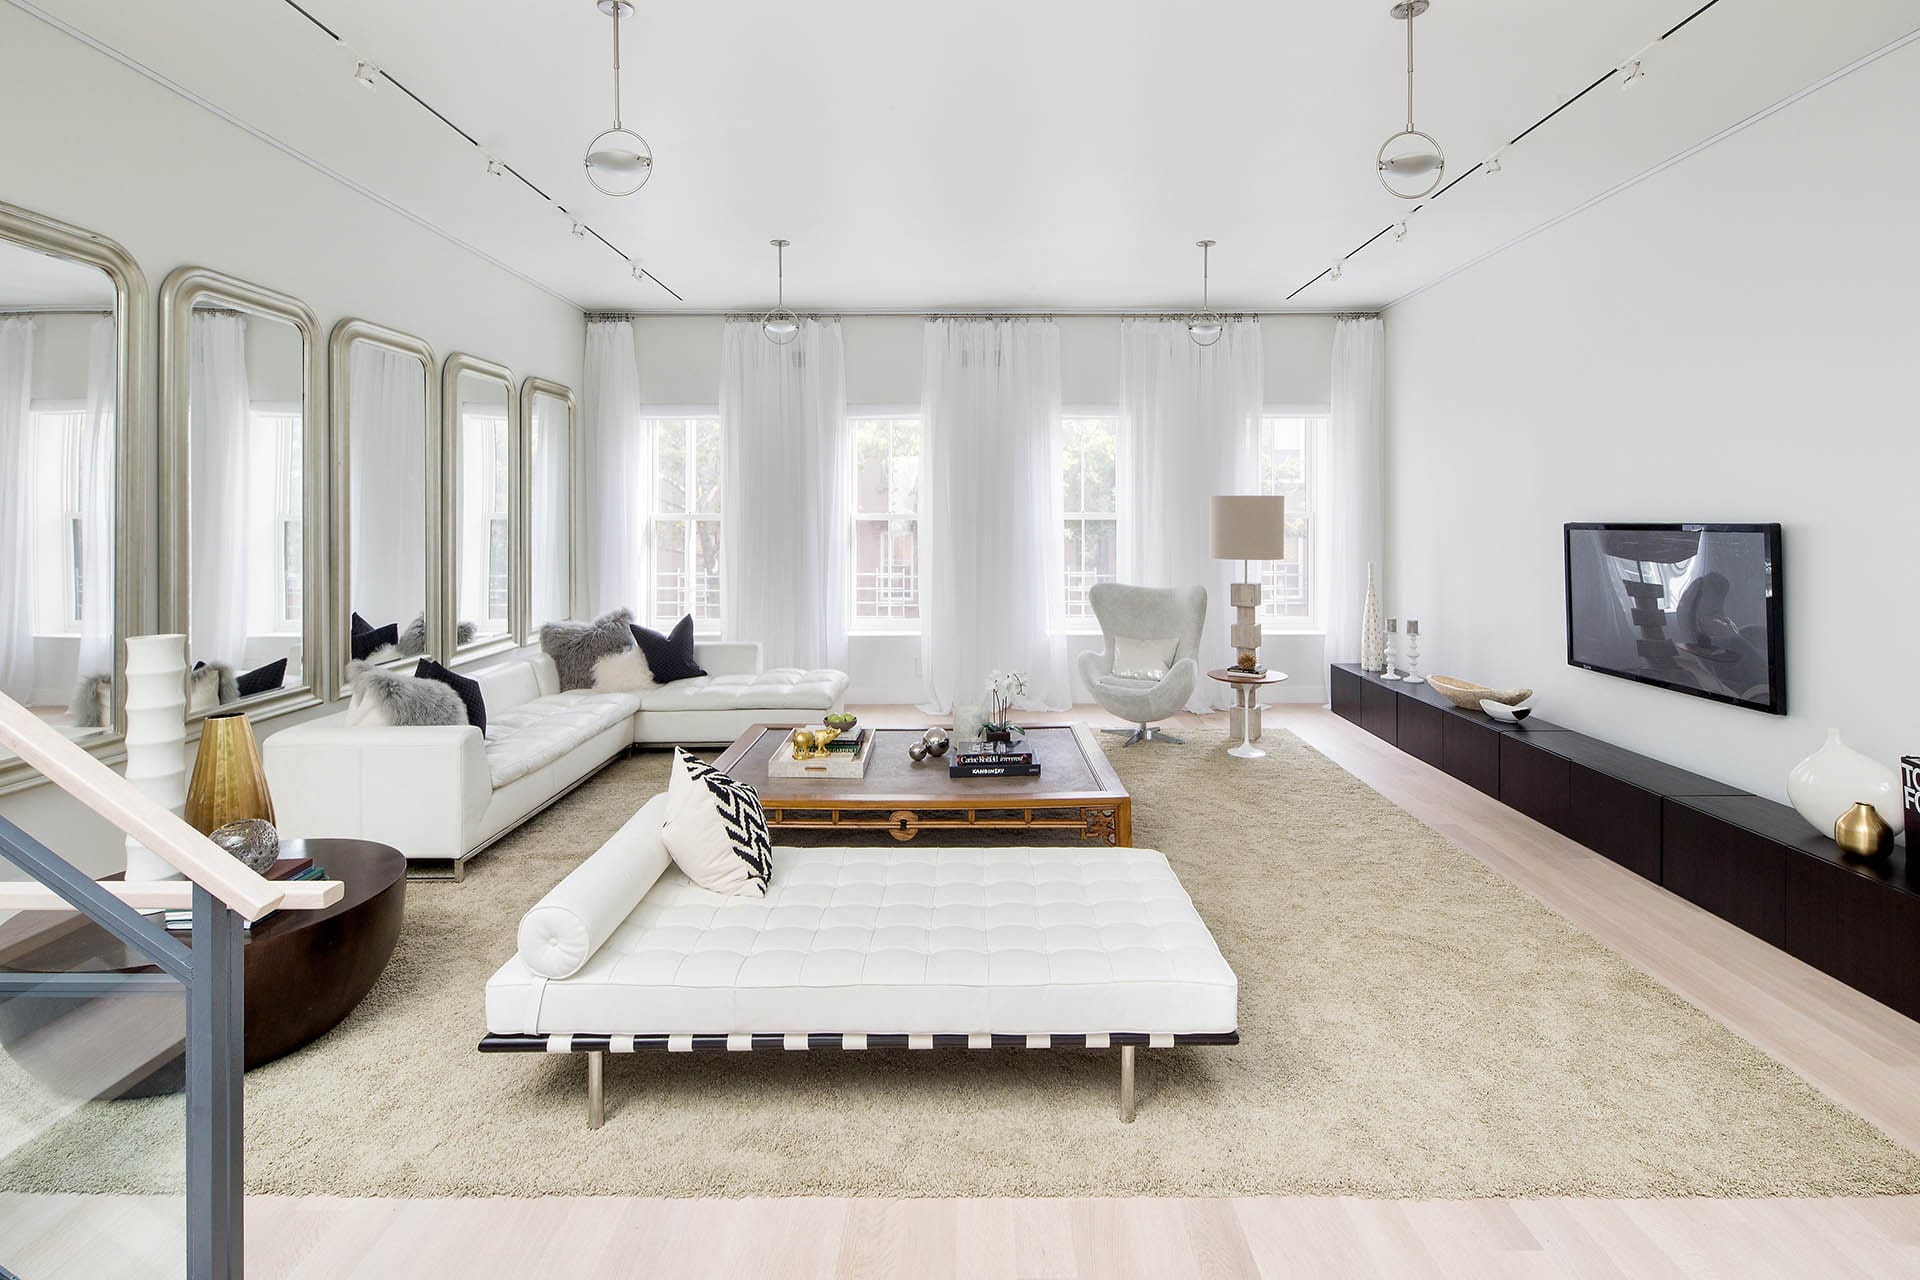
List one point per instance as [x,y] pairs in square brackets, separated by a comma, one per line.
[1860,1053]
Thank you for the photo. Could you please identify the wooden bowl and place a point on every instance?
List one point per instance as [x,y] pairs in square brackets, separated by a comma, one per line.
[1468,696]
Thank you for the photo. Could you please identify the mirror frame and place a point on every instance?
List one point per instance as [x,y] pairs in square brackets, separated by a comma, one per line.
[184,289]
[339,398]
[529,388]
[133,506]
[450,370]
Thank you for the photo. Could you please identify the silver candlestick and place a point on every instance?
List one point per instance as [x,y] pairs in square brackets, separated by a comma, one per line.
[1392,639]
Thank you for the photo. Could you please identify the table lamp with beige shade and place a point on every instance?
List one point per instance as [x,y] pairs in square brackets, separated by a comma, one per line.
[1248,527]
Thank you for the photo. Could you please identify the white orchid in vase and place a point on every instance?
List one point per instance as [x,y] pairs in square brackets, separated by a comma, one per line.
[1003,689]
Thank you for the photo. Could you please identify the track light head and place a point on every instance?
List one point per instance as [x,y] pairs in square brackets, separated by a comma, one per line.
[640,272]
[1631,73]
[579,229]
[1338,269]
[1400,231]
[494,166]
[366,73]
[1492,164]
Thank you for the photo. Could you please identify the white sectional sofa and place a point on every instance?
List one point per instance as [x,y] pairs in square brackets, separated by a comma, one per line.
[921,948]
[445,793]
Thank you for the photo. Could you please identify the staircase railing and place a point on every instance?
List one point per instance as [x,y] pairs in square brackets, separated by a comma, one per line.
[223,895]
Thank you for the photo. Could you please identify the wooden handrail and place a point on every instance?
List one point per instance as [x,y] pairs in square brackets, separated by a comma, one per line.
[93,784]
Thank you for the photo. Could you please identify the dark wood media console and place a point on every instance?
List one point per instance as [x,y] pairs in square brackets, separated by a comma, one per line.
[1747,859]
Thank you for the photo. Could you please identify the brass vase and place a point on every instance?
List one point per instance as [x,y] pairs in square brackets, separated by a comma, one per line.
[228,781]
[1862,832]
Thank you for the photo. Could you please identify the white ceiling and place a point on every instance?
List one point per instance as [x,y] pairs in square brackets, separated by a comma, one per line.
[1060,154]
[34,281]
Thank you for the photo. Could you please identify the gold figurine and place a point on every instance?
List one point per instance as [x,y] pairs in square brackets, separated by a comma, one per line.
[811,744]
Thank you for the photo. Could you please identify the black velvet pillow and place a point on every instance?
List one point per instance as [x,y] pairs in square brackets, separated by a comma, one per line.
[360,625]
[263,679]
[670,657]
[469,690]
[366,643]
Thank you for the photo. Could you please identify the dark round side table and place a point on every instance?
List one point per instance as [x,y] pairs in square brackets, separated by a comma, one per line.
[305,972]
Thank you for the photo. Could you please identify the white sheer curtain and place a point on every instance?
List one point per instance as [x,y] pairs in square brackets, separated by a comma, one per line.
[785,473]
[1354,482]
[16,509]
[551,483]
[990,533]
[96,500]
[473,513]
[387,411]
[1190,424]
[217,479]
[614,462]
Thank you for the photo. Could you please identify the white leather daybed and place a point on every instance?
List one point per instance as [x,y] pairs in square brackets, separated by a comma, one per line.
[445,793]
[863,949]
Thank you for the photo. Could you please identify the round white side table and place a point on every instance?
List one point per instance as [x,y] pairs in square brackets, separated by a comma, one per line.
[1246,695]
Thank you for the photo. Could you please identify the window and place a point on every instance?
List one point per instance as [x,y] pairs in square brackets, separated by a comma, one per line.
[1091,452]
[684,555]
[1289,444]
[499,546]
[886,522]
[277,498]
[57,434]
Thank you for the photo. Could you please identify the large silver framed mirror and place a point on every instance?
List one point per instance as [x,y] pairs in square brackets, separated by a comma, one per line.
[386,485]
[75,429]
[245,469]
[548,413]
[480,437]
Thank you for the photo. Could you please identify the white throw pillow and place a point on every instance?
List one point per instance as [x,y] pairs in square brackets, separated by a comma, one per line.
[715,830]
[1143,659]
[624,672]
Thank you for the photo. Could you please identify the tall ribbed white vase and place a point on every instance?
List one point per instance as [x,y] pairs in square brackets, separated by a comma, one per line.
[156,737]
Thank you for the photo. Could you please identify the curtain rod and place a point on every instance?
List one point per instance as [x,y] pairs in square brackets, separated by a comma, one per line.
[923,314]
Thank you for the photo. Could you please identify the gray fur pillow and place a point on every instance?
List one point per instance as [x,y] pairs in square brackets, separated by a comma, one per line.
[576,646]
[92,705]
[386,698]
[413,637]
[208,685]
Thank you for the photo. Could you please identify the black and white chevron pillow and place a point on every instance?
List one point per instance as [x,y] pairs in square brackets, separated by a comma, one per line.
[715,830]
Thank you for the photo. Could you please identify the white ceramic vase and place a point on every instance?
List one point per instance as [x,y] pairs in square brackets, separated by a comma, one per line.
[1835,778]
[1373,638]
[156,737]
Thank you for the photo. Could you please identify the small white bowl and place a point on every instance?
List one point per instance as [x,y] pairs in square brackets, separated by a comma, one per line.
[1501,711]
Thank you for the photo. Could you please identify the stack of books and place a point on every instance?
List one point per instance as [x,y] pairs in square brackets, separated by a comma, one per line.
[981,760]
[181,921]
[850,740]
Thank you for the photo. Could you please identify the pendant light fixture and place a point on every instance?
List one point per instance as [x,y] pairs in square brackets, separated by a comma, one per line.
[780,325]
[1206,327]
[619,161]
[1409,156]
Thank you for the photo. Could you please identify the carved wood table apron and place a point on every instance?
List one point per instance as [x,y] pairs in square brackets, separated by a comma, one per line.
[1077,793]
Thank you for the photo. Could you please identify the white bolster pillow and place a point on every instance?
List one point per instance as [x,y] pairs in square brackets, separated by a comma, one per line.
[567,926]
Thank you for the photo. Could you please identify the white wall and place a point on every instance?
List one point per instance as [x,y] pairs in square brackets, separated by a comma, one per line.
[679,358]
[1732,340]
[176,185]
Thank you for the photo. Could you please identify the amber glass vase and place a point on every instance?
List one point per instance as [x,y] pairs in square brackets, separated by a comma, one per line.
[229,782]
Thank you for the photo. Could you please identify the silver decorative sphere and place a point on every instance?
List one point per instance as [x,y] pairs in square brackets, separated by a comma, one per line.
[917,750]
[252,840]
[936,742]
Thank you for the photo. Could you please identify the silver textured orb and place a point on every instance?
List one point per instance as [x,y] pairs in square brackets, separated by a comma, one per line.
[252,840]
[917,751]
[935,741]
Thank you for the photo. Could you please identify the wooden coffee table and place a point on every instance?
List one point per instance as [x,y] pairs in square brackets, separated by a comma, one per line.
[1077,790]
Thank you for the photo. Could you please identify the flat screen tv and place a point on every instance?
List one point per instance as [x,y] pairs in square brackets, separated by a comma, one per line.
[1692,607]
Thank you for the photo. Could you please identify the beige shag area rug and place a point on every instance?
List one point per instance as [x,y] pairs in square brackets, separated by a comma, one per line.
[1412,1026]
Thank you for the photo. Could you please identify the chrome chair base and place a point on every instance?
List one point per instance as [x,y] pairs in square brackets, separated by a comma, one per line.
[1145,733]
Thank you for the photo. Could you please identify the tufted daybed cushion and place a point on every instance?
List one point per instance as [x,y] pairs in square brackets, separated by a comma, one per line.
[534,734]
[1013,941]
[783,688]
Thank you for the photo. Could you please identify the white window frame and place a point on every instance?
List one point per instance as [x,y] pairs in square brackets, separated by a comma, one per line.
[651,417]
[61,529]
[1089,625]
[882,626]
[1315,442]
[280,625]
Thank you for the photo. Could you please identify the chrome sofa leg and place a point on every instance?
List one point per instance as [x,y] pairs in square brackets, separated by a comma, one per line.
[596,1093]
[459,870]
[1126,1083]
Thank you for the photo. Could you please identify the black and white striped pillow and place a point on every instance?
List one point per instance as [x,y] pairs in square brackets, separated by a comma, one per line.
[715,830]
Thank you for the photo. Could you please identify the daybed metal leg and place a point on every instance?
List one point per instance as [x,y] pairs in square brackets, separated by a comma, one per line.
[596,1095]
[459,870]
[1126,1084]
